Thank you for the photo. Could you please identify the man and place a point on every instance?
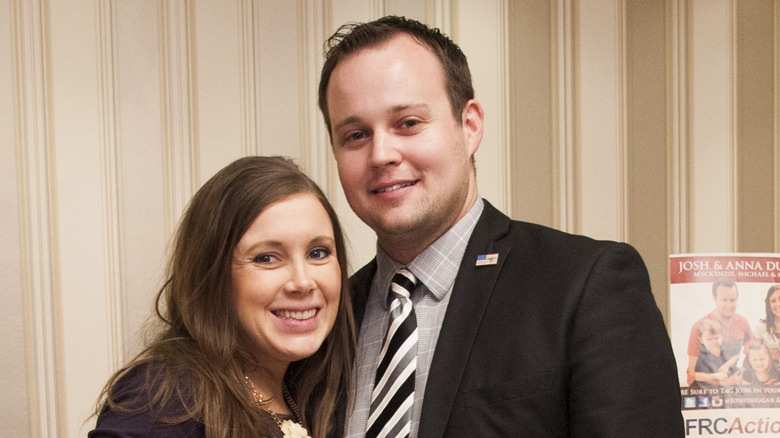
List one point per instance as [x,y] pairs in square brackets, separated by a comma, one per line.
[523,330]
[735,329]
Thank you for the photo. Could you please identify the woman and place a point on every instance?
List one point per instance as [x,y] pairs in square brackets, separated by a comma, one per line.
[760,369]
[256,333]
[768,329]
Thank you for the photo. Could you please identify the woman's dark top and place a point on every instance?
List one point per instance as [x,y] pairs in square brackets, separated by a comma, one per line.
[131,391]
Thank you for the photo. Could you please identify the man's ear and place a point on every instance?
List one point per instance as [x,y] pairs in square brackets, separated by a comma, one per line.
[472,124]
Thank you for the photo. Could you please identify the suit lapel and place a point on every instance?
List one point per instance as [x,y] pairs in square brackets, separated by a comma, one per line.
[360,286]
[470,295]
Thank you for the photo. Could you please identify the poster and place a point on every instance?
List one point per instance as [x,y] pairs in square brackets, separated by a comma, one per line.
[729,366]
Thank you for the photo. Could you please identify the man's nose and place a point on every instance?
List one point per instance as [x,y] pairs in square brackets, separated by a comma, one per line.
[385,149]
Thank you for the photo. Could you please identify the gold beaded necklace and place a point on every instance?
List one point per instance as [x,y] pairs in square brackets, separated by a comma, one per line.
[263,404]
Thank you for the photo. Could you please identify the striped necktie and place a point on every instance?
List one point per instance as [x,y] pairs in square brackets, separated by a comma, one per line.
[393,395]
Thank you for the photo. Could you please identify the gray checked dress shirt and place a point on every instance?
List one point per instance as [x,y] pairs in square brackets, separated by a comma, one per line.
[435,268]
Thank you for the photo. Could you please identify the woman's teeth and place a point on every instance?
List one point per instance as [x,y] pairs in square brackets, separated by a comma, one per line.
[306,314]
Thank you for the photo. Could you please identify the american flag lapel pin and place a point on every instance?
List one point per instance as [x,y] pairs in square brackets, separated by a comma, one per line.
[487,259]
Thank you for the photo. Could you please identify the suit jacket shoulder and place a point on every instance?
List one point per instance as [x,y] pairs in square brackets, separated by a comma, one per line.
[561,337]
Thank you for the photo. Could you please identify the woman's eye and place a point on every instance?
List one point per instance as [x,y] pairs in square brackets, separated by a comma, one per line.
[263,258]
[319,253]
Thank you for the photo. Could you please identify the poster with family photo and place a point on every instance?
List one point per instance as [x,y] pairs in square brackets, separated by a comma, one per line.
[725,332]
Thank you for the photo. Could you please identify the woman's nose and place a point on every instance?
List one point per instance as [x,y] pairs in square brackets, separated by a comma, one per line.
[301,280]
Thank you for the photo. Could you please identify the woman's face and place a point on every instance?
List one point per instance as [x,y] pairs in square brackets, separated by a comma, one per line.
[774,303]
[287,280]
[759,359]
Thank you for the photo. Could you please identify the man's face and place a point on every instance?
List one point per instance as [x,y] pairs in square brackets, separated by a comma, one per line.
[725,301]
[403,159]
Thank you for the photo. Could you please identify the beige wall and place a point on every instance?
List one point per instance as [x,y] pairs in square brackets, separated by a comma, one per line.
[651,122]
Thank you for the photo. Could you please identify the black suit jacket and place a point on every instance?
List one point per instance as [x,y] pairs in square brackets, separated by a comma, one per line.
[562,337]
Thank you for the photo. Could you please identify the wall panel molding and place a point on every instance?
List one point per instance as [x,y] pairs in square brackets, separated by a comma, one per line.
[531,57]
[33,142]
[622,171]
[442,14]
[755,126]
[505,140]
[733,177]
[564,119]
[677,122]
[776,39]
[179,107]
[601,116]
[647,140]
[711,127]
[487,53]
[109,154]
[15,362]
[250,107]
[317,158]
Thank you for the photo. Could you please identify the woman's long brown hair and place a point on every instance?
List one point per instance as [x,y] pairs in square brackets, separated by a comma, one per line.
[194,355]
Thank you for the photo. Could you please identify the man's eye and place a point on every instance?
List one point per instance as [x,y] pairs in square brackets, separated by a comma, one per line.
[356,136]
[411,123]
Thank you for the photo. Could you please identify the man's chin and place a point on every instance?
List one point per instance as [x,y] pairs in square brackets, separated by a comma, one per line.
[395,223]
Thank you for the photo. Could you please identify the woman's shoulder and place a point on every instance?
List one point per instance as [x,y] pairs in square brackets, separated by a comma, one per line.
[137,382]
[138,407]
[760,327]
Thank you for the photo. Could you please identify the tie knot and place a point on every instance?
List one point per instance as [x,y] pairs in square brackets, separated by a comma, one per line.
[402,285]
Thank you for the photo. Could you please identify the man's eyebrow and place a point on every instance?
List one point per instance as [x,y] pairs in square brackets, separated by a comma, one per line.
[394,109]
[409,106]
[349,120]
